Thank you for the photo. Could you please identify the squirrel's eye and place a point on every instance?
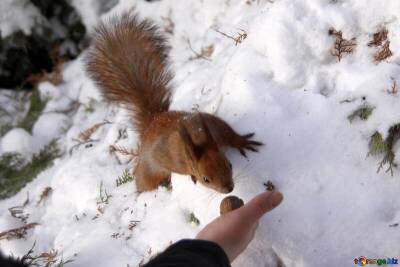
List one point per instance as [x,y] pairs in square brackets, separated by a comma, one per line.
[230,165]
[205,178]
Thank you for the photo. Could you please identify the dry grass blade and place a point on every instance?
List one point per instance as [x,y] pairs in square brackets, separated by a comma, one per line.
[44,195]
[124,151]
[242,35]
[49,257]
[342,46]
[18,211]
[45,259]
[133,224]
[17,233]
[103,195]
[131,153]
[86,134]
[80,143]
[393,89]
[205,52]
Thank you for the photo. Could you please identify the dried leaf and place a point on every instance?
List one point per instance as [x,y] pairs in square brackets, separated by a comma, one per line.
[17,233]
[379,37]
[342,46]
[86,134]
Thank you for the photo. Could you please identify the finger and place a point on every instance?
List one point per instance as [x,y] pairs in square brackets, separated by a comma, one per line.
[260,205]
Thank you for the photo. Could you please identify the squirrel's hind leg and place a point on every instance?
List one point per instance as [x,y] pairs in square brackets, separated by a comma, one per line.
[148,179]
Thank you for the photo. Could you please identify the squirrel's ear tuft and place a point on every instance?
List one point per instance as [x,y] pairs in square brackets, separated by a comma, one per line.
[193,151]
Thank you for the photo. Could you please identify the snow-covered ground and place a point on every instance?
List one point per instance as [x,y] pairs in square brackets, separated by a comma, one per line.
[281,82]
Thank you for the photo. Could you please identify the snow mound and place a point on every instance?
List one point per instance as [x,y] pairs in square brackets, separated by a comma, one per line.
[18,140]
[50,126]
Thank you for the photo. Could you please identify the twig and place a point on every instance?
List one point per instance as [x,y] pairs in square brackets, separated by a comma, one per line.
[45,194]
[18,211]
[393,89]
[17,233]
[86,143]
[239,39]
[198,55]
[104,196]
[132,153]
[86,134]
[133,224]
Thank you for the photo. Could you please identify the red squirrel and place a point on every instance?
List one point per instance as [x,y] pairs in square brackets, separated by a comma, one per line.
[129,63]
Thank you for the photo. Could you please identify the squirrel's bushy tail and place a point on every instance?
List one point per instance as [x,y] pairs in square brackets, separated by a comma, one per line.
[129,63]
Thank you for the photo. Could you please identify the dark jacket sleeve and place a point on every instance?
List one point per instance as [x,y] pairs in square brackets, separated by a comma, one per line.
[191,253]
[10,262]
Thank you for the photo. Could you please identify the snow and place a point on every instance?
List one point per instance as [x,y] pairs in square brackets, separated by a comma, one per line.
[17,15]
[18,140]
[50,126]
[283,84]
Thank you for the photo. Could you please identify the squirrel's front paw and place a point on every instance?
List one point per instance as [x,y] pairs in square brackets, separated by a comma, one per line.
[245,142]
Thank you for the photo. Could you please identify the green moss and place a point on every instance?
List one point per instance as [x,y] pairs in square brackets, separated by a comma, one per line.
[362,112]
[90,106]
[193,219]
[378,146]
[10,164]
[4,112]
[36,106]
[124,178]
[5,127]
[15,172]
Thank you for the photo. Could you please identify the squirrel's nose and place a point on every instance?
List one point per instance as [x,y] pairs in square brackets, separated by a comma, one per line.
[228,188]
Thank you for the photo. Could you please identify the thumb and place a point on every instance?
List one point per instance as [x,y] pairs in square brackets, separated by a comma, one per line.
[261,204]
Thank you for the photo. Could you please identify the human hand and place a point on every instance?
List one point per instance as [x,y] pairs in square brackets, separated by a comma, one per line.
[234,230]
